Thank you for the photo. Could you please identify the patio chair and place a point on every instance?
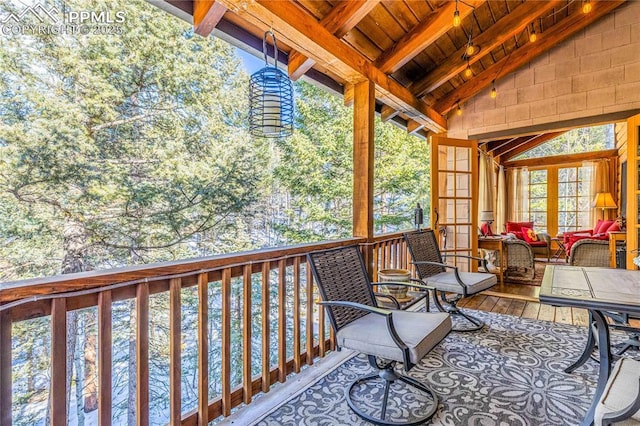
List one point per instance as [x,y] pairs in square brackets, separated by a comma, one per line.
[620,401]
[520,261]
[432,271]
[391,335]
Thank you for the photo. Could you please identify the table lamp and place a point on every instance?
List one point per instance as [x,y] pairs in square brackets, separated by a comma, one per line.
[603,201]
[486,217]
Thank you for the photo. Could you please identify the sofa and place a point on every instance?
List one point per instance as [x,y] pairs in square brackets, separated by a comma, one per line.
[599,232]
[540,242]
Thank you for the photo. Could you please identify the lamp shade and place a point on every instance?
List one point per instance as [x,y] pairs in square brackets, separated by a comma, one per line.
[604,200]
[486,216]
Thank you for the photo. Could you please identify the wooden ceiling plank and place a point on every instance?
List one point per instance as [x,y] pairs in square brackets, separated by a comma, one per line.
[532,143]
[387,113]
[493,146]
[339,21]
[562,159]
[550,38]
[206,15]
[303,32]
[421,36]
[507,27]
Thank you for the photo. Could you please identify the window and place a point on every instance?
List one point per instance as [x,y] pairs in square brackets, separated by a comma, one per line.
[538,198]
[573,199]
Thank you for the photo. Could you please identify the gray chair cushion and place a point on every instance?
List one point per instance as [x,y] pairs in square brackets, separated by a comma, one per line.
[420,331]
[620,392]
[475,281]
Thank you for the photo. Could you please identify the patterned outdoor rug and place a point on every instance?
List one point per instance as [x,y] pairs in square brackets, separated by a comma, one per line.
[509,373]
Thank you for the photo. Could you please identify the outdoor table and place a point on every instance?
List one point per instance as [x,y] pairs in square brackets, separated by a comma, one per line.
[598,290]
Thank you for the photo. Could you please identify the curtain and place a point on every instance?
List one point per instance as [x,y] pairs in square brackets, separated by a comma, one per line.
[595,179]
[501,202]
[486,197]
[518,199]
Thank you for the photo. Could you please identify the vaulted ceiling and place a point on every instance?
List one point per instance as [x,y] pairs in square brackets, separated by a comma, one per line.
[410,49]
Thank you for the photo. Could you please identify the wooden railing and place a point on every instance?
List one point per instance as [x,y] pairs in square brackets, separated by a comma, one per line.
[255,275]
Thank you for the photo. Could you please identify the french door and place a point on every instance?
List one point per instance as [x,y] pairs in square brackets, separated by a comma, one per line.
[454,198]
[633,189]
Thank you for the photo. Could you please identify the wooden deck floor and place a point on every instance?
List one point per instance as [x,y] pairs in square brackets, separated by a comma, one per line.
[522,301]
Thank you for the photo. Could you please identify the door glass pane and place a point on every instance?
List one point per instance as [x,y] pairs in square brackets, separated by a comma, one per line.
[446,211]
[447,184]
[463,187]
[463,238]
[462,159]
[463,211]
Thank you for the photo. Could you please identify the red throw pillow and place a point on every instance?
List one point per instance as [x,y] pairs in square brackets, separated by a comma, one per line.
[529,235]
[615,227]
[603,226]
[514,227]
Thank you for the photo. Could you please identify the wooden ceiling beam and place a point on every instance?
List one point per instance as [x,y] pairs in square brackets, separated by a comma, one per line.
[206,15]
[562,159]
[499,152]
[339,21]
[534,142]
[413,126]
[302,32]
[434,26]
[387,113]
[509,26]
[523,55]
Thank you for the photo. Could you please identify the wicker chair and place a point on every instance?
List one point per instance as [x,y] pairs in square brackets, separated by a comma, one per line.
[520,261]
[393,335]
[432,271]
[590,253]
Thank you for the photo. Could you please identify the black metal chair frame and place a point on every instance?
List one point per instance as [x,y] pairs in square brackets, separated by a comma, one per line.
[440,266]
[368,305]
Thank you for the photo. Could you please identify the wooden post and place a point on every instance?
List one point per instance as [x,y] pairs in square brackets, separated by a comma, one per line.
[105,358]
[58,385]
[203,349]
[142,354]
[175,351]
[5,369]
[364,102]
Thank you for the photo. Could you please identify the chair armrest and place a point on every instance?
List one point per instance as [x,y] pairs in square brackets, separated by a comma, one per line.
[610,419]
[393,300]
[545,237]
[359,306]
[481,259]
[406,284]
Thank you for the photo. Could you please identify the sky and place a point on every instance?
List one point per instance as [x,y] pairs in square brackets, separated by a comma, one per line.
[250,62]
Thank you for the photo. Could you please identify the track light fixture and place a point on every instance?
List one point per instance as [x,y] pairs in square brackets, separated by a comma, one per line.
[586,6]
[459,110]
[494,92]
[468,72]
[532,34]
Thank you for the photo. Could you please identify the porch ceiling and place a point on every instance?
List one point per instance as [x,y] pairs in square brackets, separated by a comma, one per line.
[409,49]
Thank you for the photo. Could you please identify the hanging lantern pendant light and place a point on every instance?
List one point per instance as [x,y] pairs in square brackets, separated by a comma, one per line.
[270,98]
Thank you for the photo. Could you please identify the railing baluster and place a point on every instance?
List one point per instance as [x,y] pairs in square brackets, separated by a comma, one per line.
[266,328]
[296,315]
[321,337]
[175,351]
[5,369]
[376,260]
[58,388]
[105,320]
[282,321]
[203,349]
[142,354]
[226,342]
[309,324]
[246,335]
